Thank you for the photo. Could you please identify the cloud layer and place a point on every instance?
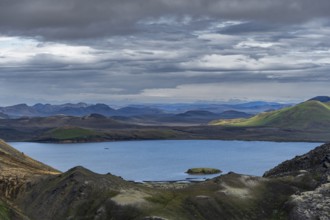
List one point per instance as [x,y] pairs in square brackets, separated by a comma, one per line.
[73,19]
[163,51]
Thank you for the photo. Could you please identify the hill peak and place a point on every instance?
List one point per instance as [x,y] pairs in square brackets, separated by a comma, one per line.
[309,115]
[320,99]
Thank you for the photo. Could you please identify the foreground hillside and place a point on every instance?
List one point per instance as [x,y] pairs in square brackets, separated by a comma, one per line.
[16,173]
[309,115]
[296,189]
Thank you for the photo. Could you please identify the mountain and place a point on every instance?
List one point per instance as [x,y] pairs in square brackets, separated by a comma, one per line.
[188,118]
[18,110]
[80,109]
[196,113]
[321,99]
[309,115]
[3,116]
[134,111]
[233,114]
[83,109]
[249,107]
[44,110]
[203,117]
[68,109]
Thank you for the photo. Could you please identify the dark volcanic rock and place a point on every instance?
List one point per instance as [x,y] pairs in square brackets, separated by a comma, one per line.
[313,204]
[316,161]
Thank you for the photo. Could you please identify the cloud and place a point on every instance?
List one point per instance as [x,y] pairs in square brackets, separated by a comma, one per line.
[15,50]
[151,50]
[226,91]
[79,19]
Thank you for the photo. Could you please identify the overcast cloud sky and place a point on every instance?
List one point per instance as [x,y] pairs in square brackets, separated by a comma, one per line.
[133,51]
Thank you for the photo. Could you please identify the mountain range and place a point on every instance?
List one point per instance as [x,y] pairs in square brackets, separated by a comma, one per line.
[307,121]
[83,109]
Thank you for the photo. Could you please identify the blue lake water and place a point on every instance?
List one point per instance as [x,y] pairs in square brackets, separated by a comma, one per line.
[165,159]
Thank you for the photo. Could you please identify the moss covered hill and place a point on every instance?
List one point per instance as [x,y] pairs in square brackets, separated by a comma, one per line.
[309,115]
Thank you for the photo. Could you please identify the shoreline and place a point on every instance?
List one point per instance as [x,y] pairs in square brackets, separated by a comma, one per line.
[170,139]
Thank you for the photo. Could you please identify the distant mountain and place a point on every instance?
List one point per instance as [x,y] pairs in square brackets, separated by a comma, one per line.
[153,110]
[3,116]
[197,113]
[234,114]
[199,117]
[258,106]
[188,118]
[134,111]
[207,114]
[101,109]
[308,115]
[248,107]
[18,110]
[48,108]
[43,110]
[80,109]
[321,99]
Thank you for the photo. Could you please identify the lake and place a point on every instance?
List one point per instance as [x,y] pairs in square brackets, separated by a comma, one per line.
[165,160]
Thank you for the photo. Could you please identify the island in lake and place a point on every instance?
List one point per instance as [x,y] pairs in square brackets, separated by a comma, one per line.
[197,171]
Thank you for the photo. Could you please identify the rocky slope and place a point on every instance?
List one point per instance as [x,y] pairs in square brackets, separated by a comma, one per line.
[16,168]
[296,189]
[313,204]
[16,172]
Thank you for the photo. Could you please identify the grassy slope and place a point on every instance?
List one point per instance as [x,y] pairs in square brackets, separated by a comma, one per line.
[70,132]
[75,134]
[307,115]
[15,163]
[79,134]
[81,194]
[230,196]
[4,215]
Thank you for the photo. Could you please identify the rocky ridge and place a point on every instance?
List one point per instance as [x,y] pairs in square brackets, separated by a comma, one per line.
[17,170]
[313,204]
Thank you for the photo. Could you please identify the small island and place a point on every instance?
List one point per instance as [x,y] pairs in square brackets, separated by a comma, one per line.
[198,171]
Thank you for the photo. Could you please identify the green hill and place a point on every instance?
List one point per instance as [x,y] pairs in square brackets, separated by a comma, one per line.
[69,134]
[309,115]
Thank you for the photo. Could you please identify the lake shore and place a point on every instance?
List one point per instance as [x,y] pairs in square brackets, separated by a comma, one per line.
[165,160]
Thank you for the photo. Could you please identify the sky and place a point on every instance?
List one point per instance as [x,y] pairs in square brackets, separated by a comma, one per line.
[163,51]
